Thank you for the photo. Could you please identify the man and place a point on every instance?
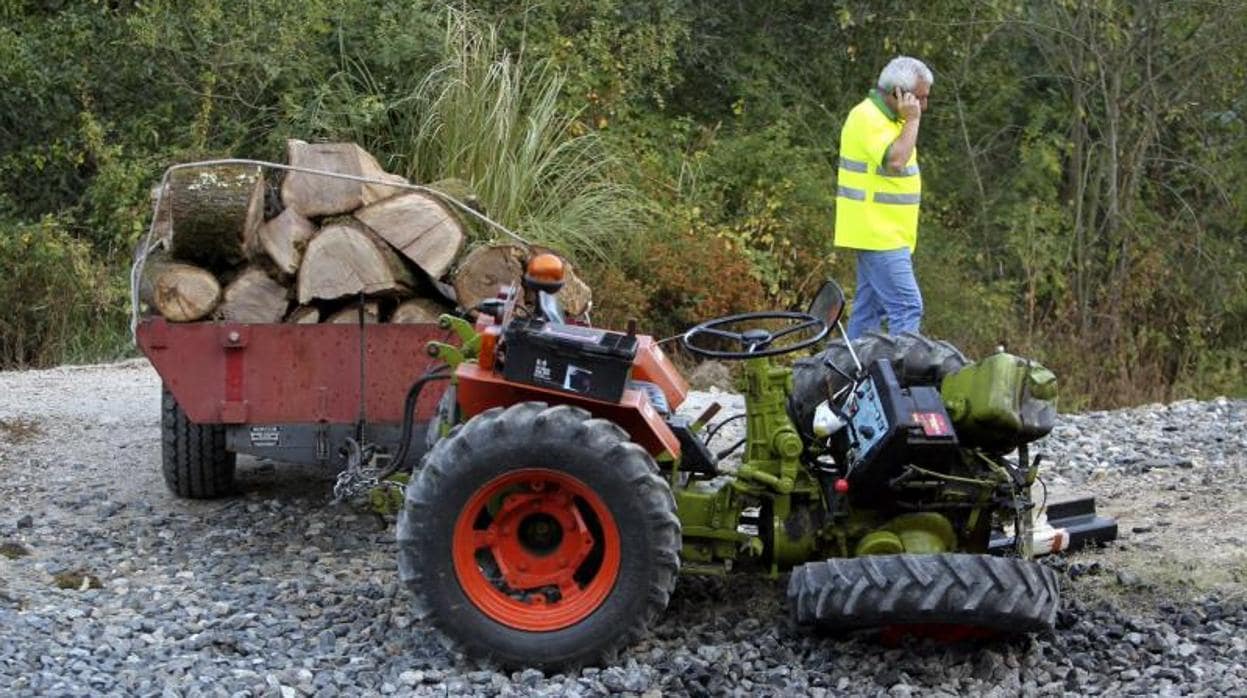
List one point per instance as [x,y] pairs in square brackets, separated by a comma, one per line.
[878,192]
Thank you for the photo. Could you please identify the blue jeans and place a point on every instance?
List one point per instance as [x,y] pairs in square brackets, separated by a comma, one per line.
[886,288]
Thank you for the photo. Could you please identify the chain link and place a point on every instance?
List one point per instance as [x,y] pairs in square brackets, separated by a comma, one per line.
[361,473]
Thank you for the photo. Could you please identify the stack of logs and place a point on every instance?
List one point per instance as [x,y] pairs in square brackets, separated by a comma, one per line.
[329,243]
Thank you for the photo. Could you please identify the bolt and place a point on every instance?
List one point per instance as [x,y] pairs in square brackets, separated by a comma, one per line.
[234,336]
[523,566]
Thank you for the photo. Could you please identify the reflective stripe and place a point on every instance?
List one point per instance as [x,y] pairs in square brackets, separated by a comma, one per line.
[909,171]
[854,165]
[851,193]
[884,198]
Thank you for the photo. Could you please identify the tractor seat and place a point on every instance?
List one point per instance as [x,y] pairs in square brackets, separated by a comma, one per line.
[656,396]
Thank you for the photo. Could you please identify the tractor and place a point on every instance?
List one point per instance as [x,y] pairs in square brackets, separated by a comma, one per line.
[563,495]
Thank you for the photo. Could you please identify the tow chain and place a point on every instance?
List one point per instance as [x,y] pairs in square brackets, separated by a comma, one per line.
[362,476]
[359,475]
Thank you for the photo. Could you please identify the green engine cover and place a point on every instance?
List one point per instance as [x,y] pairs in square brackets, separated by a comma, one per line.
[1001,401]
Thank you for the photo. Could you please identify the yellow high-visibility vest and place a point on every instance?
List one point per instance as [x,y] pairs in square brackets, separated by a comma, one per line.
[876,209]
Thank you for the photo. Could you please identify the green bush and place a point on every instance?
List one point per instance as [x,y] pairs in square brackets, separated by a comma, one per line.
[61,303]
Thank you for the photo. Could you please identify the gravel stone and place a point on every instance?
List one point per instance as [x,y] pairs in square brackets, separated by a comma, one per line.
[277,593]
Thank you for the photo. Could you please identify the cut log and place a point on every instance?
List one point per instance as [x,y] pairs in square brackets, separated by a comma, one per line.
[163,214]
[483,270]
[418,310]
[284,239]
[315,195]
[304,315]
[178,292]
[576,296]
[350,314]
[215,214]
[254,297]
[345,259]
[419,226]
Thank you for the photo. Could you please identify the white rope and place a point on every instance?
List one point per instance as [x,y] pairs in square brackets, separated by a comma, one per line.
[148,246]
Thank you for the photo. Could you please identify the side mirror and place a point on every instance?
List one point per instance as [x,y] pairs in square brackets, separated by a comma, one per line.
[828,303]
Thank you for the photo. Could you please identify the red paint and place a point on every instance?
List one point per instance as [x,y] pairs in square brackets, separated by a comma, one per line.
[841,486]
[933,423]
[480,390]
[291,374]
[513,504]
[651,364]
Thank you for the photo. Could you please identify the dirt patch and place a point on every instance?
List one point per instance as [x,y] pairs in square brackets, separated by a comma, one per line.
[19,430]
[1182,535]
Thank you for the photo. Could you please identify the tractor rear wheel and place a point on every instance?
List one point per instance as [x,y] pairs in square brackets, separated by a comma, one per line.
[1001,594]
[540,536]
[194,460]
[917,360]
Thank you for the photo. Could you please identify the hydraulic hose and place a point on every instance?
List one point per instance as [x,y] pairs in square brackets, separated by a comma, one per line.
[409,409]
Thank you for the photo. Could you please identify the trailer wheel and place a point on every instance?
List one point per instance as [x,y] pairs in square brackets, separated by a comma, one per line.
[195,462]
[1000,594]
[540,536]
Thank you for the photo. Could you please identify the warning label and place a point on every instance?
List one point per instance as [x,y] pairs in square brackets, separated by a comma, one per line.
[265,436]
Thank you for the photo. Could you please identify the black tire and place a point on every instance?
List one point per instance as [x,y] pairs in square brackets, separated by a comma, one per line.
[1005,594]
[194,460]
[568,440]
[917,360]
[446,412]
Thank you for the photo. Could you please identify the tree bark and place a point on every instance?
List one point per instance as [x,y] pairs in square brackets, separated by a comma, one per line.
[483,270]
[178,292]
[304,315]
[215,214]
[315,195]
[350,314]
[345,259]
[576,296]
[255,297]
[283,240]
[419,226]
[418,310]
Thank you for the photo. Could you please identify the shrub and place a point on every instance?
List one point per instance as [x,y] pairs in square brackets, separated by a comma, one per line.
[61,304]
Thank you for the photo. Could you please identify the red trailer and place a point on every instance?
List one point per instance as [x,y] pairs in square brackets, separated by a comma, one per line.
[290,392]
[293,393]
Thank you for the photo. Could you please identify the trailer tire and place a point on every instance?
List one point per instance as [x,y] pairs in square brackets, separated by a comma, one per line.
[194,460]
[917,360]
[554,491]
[1002,594]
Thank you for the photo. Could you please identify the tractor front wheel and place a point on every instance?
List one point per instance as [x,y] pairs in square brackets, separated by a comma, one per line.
[540,536]
[1000,594]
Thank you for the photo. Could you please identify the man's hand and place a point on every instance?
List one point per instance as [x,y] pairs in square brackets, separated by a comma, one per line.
[907,105]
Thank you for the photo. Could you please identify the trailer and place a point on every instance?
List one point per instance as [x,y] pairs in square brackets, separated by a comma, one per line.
[292,393]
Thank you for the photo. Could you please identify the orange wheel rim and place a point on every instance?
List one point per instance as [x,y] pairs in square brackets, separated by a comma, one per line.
[536,550]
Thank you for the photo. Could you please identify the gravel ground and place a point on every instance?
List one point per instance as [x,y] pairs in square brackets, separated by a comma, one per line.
[278,593]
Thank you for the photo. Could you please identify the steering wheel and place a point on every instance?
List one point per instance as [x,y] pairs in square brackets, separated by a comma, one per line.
[756,341]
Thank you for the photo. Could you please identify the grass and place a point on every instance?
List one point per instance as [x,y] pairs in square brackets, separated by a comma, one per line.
[497,122]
